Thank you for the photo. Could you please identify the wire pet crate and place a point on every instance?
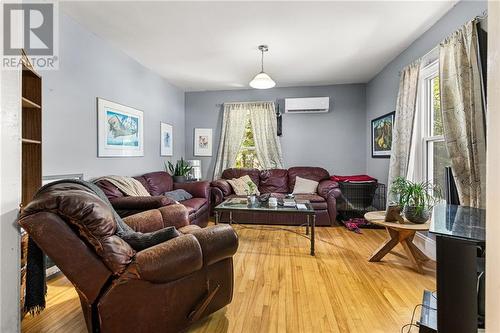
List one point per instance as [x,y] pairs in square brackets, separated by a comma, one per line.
[360,198]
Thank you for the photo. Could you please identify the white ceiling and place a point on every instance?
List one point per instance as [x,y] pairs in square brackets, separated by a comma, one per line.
[213,45]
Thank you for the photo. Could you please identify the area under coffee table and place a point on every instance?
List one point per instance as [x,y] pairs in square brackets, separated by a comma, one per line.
[238,205]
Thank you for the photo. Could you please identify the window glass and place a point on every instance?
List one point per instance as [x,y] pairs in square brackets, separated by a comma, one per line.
[437,160]
[437,121]
[247,157]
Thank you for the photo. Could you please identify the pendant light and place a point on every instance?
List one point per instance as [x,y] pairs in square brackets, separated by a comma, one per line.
[262,80]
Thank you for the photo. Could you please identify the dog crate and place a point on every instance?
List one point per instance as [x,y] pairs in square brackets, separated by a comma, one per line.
[360,198]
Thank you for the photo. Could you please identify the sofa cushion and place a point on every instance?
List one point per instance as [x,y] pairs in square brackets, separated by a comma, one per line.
[311,197]
[109,189]
[231,173]
[317,202]
[274,181]
[194,204]
[312,173]
[178,195]
[158,182]
[305,186]
[243,186]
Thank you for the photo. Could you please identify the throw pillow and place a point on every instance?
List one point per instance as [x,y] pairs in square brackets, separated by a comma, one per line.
[178,195]
[243,186]
[305,186]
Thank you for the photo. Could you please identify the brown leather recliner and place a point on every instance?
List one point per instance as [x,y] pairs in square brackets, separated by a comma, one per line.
[163,288]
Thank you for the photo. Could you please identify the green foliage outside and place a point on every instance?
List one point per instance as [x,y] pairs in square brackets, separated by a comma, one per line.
[247,157]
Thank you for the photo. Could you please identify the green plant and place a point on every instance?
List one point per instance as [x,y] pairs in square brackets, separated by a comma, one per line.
[421,195]
[251,188]
[181,168]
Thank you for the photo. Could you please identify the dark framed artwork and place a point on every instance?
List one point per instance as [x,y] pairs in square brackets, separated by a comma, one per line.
[382,135]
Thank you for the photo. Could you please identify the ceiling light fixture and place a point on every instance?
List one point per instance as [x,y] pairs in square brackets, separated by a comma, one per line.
[262,80]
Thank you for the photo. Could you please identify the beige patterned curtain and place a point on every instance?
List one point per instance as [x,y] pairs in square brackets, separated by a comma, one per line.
[264,126]
[232,133]
[463,116]
[403,125]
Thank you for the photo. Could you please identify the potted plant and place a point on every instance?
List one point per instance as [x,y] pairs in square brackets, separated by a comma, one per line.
[250,190]
[179,171]
[416,199]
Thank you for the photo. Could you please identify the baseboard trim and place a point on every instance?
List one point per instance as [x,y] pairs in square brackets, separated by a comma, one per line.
[426,244]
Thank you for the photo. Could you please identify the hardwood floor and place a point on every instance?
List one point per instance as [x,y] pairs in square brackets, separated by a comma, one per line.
[280,288]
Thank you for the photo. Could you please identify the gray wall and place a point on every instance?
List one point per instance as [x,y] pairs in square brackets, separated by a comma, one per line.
[90,68]
[381,91]
[334,140]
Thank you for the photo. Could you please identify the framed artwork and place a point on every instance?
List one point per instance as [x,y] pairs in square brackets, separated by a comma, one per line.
[382,135]
[202,142]
[120,130]
[166,137]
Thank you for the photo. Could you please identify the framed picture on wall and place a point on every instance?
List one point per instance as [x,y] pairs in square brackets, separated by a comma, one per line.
[382,135]
[202,142]
[120,130]
[166,140]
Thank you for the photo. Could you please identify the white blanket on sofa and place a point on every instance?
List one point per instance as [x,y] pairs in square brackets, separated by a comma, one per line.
[128,185]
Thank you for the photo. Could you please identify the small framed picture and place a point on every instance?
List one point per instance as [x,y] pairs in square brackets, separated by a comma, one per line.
[166,140]
[382,135]
[203,142]
[119,130]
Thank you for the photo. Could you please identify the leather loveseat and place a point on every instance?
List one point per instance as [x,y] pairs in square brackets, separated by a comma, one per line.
[163,288]
[157,183]
[280,182]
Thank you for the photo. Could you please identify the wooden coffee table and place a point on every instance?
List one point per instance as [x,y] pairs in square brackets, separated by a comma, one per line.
[399,233]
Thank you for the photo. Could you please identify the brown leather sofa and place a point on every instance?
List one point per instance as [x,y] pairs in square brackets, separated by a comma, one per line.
[157,183]
[280,182]
[163,288]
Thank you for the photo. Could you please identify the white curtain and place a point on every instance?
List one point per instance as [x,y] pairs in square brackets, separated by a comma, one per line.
[232,133]
[403,125]
[463,116]
[264,126]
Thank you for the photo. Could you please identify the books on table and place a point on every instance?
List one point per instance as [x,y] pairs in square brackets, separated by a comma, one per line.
[289,203]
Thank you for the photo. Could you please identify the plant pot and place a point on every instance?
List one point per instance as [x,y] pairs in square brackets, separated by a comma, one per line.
[416,214]
[179,179]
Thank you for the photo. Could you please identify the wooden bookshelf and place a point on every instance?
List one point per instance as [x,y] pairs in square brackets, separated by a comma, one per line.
[31,151]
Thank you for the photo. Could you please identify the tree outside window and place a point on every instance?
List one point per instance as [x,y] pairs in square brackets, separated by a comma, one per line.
[247,157]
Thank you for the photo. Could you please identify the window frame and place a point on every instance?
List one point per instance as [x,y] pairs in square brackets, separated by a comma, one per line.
[425,122]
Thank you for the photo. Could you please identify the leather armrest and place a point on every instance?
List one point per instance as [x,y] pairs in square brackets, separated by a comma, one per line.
[148,221]
[140,203]
[327,188]
[196,189]
[169,260]
[217,242]
[175,215]
[217,196]
[223,185]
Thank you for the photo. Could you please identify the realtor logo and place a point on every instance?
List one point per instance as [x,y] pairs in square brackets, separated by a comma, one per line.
[30,27]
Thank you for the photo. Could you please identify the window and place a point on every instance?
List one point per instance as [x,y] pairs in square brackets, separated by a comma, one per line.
[247,157]
[435,157]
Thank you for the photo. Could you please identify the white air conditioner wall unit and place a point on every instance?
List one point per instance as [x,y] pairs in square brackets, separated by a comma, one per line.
[307,105]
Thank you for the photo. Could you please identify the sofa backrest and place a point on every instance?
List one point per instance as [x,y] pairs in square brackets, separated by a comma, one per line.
[277,180]
[312,173]
[157,182]
[90,218]
[274,181]
[231,173]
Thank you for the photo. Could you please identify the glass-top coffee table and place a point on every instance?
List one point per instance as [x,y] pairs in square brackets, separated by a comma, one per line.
[241,204]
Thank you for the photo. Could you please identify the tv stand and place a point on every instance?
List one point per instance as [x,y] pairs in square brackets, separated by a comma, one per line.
[460,238]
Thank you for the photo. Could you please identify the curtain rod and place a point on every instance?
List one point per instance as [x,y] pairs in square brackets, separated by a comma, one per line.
[481,17]
[249,102]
